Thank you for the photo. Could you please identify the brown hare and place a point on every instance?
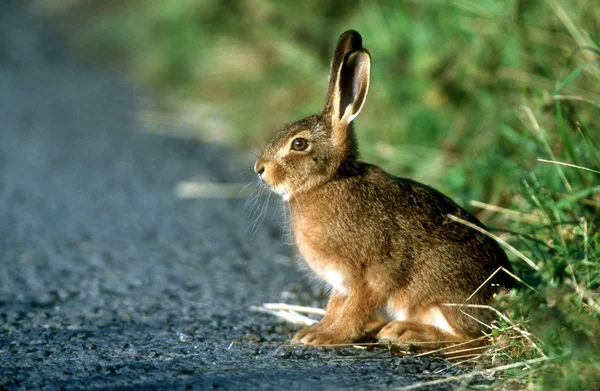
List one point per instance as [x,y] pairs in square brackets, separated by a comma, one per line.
[384,244]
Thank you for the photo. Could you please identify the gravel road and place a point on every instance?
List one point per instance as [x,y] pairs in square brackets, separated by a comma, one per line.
[108,280]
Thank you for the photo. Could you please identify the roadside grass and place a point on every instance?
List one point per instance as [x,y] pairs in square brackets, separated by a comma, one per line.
[495,101]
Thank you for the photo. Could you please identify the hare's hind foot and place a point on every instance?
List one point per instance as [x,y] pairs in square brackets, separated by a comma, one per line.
[416,336]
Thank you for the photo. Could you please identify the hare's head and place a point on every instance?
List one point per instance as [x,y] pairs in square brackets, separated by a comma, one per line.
[309,152]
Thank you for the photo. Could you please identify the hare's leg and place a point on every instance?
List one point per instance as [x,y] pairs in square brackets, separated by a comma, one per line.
[335,303]
[427,328]
[375,324]
[345,319]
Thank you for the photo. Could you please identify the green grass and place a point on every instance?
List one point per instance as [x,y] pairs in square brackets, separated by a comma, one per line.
[465,95]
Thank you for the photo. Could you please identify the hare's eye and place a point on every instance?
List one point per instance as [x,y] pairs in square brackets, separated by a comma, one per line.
[299,144]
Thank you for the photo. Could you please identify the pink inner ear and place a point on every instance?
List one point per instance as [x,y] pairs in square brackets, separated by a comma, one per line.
[348,89]
[353,84]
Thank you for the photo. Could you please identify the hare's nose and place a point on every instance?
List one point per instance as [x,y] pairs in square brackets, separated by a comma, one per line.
[259,168]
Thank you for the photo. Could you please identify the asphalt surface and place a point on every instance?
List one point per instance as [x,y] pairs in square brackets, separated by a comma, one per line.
[108,280]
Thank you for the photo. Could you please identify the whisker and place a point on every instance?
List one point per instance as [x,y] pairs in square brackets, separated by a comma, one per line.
[258,216]
[261,216]
[252,202]
[242,190]
[265,208]
[255,210]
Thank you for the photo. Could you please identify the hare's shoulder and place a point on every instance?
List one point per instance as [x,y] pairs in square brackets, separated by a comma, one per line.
[374,177]
[409,198]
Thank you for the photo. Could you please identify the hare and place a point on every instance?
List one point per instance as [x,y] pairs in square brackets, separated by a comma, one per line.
[384,244]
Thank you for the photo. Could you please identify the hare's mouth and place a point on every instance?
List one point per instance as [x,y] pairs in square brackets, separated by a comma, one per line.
[280,189]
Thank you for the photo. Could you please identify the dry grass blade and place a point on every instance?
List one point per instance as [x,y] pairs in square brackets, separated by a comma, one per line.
[195,189]
[469,375]
[587,99]
[448,350]
[296,308]
[502,268]
[567,97]
[516,215]
[288,315]
[567,164]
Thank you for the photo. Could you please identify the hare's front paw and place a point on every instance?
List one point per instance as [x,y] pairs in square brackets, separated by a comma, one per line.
[318,336]
[304,332]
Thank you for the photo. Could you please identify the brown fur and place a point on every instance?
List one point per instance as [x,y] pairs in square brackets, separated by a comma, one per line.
[385,244]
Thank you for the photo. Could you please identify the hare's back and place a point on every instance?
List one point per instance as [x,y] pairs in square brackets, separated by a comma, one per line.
[419,205]
[421,213]
[440,248]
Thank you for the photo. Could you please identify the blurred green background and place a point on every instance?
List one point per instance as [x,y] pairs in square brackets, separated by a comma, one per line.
[448,84]
[465,95]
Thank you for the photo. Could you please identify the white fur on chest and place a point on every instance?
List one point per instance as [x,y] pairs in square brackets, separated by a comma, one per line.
[320,266]
[336,280]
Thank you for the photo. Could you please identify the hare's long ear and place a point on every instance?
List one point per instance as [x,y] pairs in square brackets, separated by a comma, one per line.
[348,42]
[348,82]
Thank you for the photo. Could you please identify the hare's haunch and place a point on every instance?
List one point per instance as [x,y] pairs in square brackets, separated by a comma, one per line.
[384,244]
